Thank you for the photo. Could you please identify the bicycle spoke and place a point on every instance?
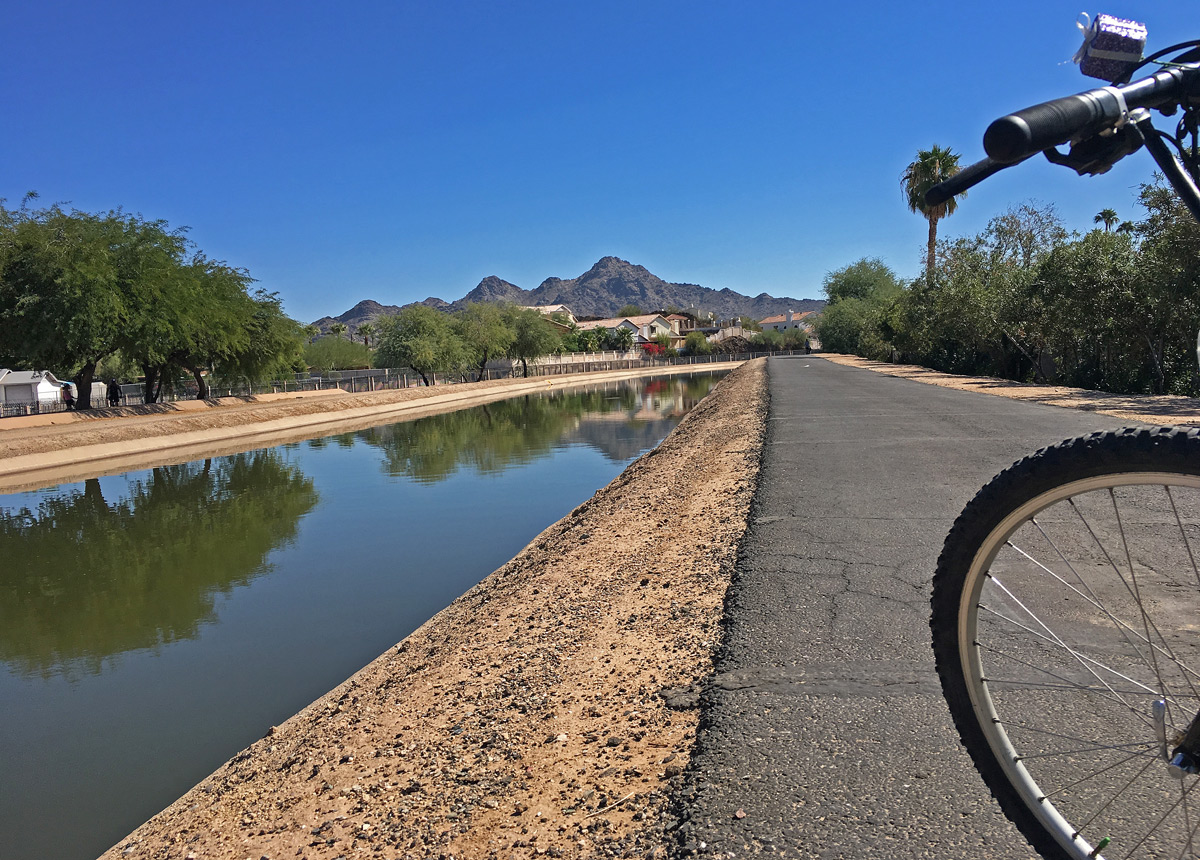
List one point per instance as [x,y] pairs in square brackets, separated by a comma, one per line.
[1090,596]
[1163,818]
[1083,660]
[1066,685]
[1136,588]
[1187,822]
[1141,748]
[1116,795]
[1187,545]
[1123,626]
[1093,774]
[1053,734]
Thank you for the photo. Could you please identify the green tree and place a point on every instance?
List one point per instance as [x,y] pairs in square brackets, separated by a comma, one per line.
[769,340]
[366,331]
[533,336]
[422,338]
[629,311]
[485,332]
[795,338]
[337,329]
[99,577]
[70,282]
[311,333]
[931,166]
[869,278]
[77,288]
[1107,217]
[330,353]
[578,339]
[696,343]
[860,297]
[272,346]
[984,315]
[619,339]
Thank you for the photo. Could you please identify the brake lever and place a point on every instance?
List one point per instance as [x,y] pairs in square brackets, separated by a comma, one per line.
[1097,154]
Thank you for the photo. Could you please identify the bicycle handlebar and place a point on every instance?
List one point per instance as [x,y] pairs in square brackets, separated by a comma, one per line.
[964,179]
[1018,136]
[1029,131]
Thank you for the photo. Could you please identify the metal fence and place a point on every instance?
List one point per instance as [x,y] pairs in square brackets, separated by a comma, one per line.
[365,380]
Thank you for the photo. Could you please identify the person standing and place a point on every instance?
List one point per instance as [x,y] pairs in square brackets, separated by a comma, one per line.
[114,393]
[68,396]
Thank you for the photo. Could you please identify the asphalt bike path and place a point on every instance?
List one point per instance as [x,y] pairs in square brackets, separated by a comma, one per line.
[824,732]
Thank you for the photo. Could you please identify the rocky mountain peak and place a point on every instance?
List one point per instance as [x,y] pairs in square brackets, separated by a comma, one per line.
[494,289]
[601,291]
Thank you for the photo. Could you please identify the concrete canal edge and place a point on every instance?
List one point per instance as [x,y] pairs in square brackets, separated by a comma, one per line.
[81,445]
[549,710]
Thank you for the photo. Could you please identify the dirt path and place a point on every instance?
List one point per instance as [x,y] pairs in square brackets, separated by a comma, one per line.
[1165,409]
[545,712]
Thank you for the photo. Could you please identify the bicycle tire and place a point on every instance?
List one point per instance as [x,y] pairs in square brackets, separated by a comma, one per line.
[1066,602]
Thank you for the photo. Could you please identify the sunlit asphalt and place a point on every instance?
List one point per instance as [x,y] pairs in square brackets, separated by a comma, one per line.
[824,733]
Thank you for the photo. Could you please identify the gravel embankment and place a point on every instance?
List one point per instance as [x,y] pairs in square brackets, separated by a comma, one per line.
[548,711]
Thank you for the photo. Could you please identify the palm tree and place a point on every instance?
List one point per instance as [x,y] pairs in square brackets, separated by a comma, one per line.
[932,166]
[337,329]
[366,331]
[311,332]
[1108,217]
[1126,227]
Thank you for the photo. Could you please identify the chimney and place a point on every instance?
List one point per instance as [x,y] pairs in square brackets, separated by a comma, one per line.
[788,317]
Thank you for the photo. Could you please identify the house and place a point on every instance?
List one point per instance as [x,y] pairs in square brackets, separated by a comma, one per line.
[785,322]
[681,323]
[552,310]
[19,387]
[645,327]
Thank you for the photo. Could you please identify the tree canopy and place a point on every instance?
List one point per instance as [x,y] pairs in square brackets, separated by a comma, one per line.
[77,288]
[419,337]
[930,167]
[1025,299]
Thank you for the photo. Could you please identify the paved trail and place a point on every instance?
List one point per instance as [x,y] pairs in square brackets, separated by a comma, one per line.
[825,724]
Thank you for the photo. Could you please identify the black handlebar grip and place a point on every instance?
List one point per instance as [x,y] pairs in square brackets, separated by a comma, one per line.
[1029,131]
[964,179]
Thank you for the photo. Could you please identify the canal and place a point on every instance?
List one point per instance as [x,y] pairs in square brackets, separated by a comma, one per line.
[154,623]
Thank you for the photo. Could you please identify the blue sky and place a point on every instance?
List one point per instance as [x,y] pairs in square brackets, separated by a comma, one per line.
[398,150]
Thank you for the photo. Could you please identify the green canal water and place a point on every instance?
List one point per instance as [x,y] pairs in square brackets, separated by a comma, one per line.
[154,623]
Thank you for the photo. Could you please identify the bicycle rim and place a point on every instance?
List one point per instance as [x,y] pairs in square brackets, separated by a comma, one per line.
[1078,613]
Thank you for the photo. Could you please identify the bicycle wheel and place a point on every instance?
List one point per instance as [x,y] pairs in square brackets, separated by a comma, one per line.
[1066,629]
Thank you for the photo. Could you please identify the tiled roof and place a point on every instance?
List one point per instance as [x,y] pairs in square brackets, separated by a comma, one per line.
[613,322]
[778,318]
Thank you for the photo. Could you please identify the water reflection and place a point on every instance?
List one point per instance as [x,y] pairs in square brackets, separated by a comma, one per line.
[165,568]
[88,578]
[620,420]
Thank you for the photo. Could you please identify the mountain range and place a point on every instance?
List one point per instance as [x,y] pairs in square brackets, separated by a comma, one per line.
[601,291]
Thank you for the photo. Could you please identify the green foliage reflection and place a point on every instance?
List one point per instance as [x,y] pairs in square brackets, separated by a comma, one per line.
[85,579]
[495,437]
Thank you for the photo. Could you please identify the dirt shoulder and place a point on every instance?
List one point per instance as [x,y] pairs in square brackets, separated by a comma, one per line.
[545,712]
[109,441]
[1163,409]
